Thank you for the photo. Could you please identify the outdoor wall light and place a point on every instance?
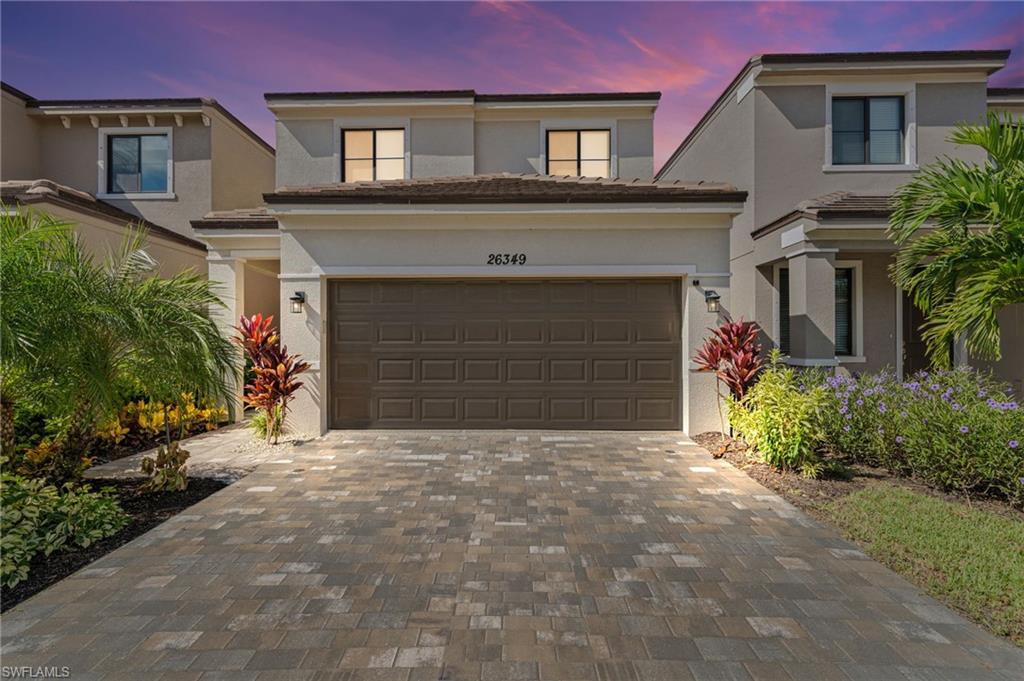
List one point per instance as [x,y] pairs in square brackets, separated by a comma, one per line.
[297,302]
[712,299]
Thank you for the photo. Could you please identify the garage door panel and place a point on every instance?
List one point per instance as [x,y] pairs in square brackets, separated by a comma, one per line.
[516,354]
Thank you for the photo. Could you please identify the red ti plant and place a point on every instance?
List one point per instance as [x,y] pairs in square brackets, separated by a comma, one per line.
[275,371]
[734,355]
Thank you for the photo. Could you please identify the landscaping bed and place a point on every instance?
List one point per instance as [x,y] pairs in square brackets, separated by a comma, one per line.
[145,512]
[969,554]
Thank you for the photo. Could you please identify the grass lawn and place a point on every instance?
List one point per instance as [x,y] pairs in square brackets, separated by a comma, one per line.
[969,558]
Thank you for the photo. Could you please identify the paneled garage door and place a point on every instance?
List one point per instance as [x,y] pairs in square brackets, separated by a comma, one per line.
[600,354]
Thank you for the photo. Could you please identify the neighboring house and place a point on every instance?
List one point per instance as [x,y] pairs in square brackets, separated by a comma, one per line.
[450,269]
[820,142]
[108,163]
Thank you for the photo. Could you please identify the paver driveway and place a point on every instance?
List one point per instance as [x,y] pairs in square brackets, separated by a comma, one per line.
[499,555]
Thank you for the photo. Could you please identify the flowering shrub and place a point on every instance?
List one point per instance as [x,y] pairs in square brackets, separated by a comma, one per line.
[959,430]
[780,417]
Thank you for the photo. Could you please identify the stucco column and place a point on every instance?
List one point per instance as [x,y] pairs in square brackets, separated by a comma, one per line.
[228,273]
[812,308]
[700,389]
[305,334]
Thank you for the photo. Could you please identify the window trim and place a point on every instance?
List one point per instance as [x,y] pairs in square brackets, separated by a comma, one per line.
[373,150]
[857,308]
[907,90]
[579,149]
[102,176]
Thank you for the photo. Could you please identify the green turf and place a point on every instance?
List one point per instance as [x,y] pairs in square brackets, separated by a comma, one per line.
[968,558]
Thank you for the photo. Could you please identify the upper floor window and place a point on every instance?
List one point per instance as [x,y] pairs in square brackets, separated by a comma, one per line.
[868,130]
[373,155]
[582,153]
[138,164]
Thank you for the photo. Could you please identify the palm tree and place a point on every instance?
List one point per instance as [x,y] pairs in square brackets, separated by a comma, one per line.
[79,332]
[960,228]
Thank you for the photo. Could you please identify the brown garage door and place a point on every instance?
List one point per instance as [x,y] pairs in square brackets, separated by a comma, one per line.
[601,354]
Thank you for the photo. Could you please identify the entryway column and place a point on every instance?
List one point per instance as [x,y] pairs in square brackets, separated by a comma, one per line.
[812,308]
[229,275]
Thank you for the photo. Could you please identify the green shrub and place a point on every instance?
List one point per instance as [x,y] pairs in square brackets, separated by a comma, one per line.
[958,430]
[167,472]
[37,517]
[780,418]
[263,419]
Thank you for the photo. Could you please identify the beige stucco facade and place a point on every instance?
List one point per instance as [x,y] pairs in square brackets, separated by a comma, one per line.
[453,242]
[456,137]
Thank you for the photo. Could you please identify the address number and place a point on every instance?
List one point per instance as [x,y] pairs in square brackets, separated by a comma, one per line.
[506,259]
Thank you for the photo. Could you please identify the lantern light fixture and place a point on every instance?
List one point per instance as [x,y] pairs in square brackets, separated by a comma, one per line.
[297,301]
[712,299]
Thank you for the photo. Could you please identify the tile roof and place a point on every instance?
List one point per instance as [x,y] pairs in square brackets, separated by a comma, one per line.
[240,218]
[509,188]
[27,192]
[835,205]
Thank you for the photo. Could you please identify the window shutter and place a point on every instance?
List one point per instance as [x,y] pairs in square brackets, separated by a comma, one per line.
[784,311]
[844,311]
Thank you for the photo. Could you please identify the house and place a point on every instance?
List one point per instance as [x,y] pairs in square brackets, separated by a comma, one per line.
[106,164]
[462,260]
[820,142]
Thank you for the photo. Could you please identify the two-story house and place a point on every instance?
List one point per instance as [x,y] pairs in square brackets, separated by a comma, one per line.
[820,142]
[453,259]
[105,164]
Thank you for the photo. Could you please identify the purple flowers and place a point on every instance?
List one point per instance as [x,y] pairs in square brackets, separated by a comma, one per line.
[1013,444]
[964,429]
[899,439]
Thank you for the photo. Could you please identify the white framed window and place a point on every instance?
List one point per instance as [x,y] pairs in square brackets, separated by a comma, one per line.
[136,163]
[849,310]
[870,127]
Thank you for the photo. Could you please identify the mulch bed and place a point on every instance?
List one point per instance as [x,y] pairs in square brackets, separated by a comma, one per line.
[813,495]
[146,512]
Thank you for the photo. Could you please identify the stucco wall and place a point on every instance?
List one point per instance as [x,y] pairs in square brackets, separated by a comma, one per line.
[790,151]
[1011,367]
[305,152]
[19,141]
[724,152]
[879,312]
[310,246]
[101,236]
[308,147]
[262,288]
[441,147]
[69,156]
[508,146]
[242,170]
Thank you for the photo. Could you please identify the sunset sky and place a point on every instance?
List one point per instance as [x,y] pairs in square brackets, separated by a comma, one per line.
[235,52]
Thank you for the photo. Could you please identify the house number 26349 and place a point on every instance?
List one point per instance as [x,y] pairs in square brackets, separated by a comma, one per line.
[506,259]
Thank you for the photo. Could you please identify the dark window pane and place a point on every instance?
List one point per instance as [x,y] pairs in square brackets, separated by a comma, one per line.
[784,311]
[847,115]
[847,147]
[153,164]
[844,311]
[124,165]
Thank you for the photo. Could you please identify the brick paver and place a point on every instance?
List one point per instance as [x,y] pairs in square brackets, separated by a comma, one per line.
[414,556]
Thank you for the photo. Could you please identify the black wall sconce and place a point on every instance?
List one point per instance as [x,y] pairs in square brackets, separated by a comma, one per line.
[297,301]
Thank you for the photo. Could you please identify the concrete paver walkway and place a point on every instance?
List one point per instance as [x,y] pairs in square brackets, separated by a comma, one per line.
[496,556]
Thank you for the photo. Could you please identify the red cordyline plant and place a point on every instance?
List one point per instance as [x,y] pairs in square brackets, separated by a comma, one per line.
[734,355]
[274,371]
